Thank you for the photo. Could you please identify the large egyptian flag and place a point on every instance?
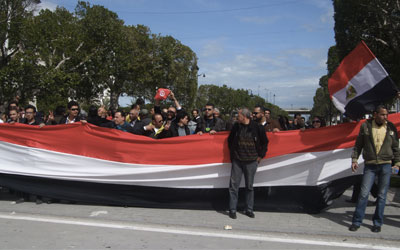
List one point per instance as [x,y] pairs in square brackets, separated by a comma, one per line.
[360,83]
[303,170]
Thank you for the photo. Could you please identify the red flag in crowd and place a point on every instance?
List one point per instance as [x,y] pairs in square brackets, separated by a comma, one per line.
[162,94]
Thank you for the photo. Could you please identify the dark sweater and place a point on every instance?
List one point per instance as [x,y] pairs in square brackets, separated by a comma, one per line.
[259,136]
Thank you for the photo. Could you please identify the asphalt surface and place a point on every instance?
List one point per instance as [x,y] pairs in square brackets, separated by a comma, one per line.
[78,226]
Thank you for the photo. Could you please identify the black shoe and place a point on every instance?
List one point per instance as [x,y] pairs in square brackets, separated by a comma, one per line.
[375,229]
[38,201]
[250,214]
[354,228]
[20,200]
[232,215]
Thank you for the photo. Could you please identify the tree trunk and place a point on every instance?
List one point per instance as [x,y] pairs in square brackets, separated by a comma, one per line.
[114,96]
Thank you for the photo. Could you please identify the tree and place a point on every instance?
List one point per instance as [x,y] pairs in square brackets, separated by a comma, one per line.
[323,105]
[106,62]
[63,55]
[174,67]
[12,17]
[228,99]
[377,22]
[54,44]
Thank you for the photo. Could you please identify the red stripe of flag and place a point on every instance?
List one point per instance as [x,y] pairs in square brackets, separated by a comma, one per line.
[114,145]
[349,67]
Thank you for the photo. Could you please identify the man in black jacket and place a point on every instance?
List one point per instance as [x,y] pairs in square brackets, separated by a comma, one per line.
[209,123]
[30,116]
[180,127]
[247,143]
[73,114]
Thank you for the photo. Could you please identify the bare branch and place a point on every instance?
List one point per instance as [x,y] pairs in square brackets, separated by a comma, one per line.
[62,61]
[80,45]
[381,41]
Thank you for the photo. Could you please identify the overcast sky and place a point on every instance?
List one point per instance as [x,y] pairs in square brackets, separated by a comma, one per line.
[271,47]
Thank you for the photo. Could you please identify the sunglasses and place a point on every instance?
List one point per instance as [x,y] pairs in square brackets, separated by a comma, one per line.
[256,113]
[74,109]
[208,109]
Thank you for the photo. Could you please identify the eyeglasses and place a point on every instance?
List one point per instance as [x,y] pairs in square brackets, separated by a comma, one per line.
[170,111]
[160,121]
[208,109]
[74,109]
[316,121]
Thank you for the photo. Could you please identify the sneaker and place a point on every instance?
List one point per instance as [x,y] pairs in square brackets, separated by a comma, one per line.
[20,200]
[250,214]
[353,228]
[375,229]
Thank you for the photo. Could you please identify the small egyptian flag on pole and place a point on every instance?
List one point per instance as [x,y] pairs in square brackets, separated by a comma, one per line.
[360,83]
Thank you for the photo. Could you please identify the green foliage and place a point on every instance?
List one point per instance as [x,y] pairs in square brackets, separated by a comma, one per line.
[12,17]
[175,68]
[228,99]
[323,105]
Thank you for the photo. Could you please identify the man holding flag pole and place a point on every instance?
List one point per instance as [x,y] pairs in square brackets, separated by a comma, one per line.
[360,84]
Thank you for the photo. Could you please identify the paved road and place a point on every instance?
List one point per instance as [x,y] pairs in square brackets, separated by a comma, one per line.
[77,226]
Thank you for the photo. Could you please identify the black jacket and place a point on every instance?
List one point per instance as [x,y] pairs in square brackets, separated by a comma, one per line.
[64,119]
[258,133]
[173,130]
[96,120]
[217,124]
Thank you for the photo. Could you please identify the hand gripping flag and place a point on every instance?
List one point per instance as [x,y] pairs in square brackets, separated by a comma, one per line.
[360,83]
[162,94]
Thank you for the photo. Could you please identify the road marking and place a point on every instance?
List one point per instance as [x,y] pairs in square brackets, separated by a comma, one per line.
[186,231]
[97,213]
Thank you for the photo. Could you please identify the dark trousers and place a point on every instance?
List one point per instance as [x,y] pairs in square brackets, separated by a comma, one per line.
[239,168]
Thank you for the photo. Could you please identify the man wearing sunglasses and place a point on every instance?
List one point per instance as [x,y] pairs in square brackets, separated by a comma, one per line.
[210,123]
[157,129]
[263,117]
[73,114]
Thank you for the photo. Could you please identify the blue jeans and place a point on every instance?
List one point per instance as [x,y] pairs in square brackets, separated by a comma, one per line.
[249,170]
[383,172]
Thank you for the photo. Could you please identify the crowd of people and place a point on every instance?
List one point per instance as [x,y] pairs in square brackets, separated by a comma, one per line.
[247,141]
[157,123]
